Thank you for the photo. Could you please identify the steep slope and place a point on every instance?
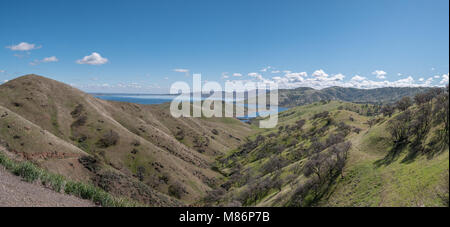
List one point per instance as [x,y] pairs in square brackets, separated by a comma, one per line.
[334,154]
[128,149]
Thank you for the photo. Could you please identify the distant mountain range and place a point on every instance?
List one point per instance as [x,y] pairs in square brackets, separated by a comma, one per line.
[303,95]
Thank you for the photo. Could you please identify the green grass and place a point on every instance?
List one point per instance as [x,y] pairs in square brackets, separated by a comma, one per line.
[396,184]
[31,173]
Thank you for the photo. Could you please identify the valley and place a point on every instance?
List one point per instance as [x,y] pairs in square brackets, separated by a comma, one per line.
[332,147]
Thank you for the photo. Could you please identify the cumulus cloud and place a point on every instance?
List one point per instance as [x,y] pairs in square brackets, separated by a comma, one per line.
[380,74]
[358,78]
[320,73]
[93,59]
[319,79]
[237,74]
[295,77]
[444,80]
[338,76]
[23,46]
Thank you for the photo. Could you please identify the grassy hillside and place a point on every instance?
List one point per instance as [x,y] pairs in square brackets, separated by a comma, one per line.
[335,154]
[327,153]
[127,149]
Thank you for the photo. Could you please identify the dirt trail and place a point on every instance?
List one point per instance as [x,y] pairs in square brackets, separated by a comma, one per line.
[16,193]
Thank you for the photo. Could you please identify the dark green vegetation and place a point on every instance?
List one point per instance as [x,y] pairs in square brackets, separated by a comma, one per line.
[342,149]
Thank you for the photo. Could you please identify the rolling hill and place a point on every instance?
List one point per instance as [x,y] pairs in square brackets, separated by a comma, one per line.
[334,154]
[130,150]
[328,150]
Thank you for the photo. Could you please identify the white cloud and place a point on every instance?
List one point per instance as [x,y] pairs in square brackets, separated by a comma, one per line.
[399,74]
[320,73]
[50,59]
[444,80]
[294,77]
[428,82]
[338,76]
[421,79]
[181,70]
[380,74]
[358,78]
[265,69]
[225,75]
[166,78]
[2,71]
[275,71]
[45,60]
[254,74]
[437,77]
[237,74]
[23,46]
[93,59]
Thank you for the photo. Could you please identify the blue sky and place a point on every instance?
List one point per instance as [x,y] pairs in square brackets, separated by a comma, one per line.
[138,46]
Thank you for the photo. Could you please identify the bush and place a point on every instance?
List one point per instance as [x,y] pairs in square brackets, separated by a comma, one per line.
[27,171]
[176,190]
[108,139]
[320,115]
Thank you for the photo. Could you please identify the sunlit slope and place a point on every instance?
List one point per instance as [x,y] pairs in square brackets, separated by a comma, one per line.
[270,169]
[131,150]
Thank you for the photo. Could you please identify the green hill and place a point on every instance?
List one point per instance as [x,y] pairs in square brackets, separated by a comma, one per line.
[335,154]
[325,153]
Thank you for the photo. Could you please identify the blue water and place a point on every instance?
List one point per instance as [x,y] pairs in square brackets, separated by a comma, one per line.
[146,100]
[159,99]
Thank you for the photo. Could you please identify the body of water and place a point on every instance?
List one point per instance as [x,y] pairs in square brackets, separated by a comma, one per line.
[160,99]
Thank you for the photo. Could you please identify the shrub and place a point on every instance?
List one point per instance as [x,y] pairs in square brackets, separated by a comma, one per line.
[108,139]
[176,190]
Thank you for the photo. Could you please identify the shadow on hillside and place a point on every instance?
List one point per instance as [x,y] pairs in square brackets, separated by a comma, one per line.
[391,156]
[435,147]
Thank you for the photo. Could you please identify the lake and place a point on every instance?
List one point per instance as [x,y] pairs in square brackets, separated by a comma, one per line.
[148,99]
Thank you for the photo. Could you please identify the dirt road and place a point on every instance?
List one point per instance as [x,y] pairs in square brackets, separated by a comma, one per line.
[16,193]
